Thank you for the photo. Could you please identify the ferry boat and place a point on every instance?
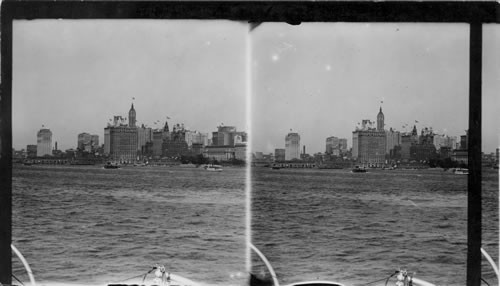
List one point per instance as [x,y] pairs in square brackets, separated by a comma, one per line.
[213,168]
[111,165]
[358,169]
[461,171]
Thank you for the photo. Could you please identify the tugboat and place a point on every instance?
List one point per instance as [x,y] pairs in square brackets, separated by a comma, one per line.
[358,169]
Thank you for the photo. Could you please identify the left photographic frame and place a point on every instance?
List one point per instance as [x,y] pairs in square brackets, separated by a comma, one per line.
[130,148]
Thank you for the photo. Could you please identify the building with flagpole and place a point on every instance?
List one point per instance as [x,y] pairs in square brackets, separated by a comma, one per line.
[292,146]
[44,142]
[369,142]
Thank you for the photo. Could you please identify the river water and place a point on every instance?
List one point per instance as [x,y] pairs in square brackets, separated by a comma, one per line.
[89,225]
[357,228]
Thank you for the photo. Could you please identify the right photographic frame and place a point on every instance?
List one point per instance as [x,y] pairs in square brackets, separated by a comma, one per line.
[362,172]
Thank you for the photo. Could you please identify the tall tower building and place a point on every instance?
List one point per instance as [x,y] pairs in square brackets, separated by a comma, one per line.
[94,139]
[84,141]
[380,120]
[332,145]
[44,142]
[228,136]
[393,139]
[122,143]
[131,117]
[121,140]
[343,145]
[292,146]
[144,136]
[369,144]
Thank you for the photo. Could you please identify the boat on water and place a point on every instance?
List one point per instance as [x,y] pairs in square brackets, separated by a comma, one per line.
[358,169]
[111,165]
[461,171]
[159,276]
[400,277]
[213,168]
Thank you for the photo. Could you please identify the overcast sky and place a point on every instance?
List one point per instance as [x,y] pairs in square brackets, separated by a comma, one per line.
[322,79]
[318,79]
[72,76]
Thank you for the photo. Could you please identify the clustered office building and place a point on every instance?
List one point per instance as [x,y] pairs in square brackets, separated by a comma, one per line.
[369,143]
[126,142]
[87,142]
[121,139]
[375,146]
[227,144]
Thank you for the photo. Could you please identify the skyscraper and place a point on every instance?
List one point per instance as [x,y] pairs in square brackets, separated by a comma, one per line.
[144,136]
[332,145]
[31,151]
[174,145]
[380,120]
[368,143]
[225,136]
[343,145]
[122,143]
[44,142]
[407,141]
[94,139]
[159,135]
[292,146]
[121,139]
[393,139]
[83,140]
[195,137]
[336,146]
[131,116]
[87,142]
[279,155]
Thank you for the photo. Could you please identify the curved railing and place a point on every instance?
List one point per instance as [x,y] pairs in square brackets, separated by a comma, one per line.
[25,263]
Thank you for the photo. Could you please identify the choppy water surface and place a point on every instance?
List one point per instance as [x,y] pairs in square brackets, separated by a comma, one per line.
[357,228]
[91,225]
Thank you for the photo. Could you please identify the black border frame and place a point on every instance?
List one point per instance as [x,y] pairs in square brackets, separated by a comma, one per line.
[292,12]
[282,11]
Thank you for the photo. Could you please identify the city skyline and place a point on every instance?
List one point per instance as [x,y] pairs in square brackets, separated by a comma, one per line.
[123,120]
[321,79]
[160,125]
[72,76]
[372,124]
[318,79]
